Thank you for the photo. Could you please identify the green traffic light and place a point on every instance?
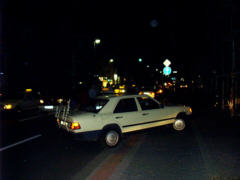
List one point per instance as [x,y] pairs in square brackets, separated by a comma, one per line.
[140,60]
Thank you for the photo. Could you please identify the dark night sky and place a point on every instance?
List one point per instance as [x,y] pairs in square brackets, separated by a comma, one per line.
[41,36]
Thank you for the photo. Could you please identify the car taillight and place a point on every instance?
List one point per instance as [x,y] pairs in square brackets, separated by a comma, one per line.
[7,106]
[58,121]
[75,125]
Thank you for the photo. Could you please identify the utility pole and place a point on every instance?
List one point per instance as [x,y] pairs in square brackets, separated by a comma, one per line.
[233,70]
[232,99]
[2,81]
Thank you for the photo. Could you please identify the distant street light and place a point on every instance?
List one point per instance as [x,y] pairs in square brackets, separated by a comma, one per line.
[96,42]
[115,77]
[111,60]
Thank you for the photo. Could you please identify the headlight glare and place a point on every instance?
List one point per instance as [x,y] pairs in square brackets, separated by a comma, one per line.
[7,106]
[59,101]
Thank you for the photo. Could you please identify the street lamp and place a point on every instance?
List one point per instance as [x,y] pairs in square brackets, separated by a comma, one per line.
[96,42]
[111,60]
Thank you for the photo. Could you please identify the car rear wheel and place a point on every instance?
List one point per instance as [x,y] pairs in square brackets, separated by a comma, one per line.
[179,125]
[111,138]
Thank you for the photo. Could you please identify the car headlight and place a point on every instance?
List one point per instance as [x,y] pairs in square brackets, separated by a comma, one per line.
[8,106]
[60,100]
[49,107]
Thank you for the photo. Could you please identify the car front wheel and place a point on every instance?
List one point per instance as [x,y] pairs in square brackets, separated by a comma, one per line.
[111,138]
[179,125]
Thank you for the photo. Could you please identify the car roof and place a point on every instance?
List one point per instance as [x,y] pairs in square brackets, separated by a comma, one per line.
[110,96]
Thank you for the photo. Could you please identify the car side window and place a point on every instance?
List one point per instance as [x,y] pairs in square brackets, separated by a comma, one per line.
[147,103]
[126,105]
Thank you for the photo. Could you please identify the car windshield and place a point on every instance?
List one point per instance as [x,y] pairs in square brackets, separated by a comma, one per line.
[94,105]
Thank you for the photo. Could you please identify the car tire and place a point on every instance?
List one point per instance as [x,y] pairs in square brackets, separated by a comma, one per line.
[110,138]
[179,125]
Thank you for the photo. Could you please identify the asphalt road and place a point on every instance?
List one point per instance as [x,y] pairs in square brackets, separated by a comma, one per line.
[32,148]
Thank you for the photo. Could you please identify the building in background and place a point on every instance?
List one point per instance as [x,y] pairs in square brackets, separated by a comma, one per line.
[227,75]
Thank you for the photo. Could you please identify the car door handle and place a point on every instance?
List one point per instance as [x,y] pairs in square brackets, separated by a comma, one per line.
[144,114]
[118,117]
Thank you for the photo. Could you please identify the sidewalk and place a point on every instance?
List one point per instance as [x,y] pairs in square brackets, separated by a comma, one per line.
[216,119]
[211,151]
[219,137]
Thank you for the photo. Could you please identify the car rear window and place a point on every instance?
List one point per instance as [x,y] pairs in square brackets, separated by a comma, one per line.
[94,105]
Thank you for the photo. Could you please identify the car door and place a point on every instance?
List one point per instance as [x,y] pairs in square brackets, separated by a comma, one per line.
[126,113]
[150,109]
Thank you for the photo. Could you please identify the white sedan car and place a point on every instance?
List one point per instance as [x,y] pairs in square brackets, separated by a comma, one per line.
[106,118]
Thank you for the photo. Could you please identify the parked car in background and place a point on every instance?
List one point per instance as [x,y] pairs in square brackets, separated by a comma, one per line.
[148,92]
[108,117]
[48,103]
[152,91]
[19,101]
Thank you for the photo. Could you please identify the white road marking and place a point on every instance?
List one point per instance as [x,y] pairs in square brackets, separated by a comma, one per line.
[20,142]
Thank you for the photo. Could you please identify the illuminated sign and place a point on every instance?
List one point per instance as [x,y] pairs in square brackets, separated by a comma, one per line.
[167,71]
[166,63]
